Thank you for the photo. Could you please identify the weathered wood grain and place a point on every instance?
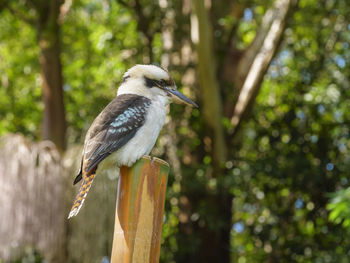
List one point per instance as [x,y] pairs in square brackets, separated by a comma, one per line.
[139,212]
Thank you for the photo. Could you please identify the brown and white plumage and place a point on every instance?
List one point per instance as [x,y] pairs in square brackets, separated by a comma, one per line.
[129,126]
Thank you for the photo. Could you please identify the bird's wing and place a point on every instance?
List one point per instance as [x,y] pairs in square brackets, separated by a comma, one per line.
[113,128]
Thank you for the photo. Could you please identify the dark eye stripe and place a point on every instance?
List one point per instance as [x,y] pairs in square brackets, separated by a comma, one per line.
[150,83]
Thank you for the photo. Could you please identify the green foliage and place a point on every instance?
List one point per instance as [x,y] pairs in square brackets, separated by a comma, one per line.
[96,54]
[294,149]
[20,89]
[29,255]
[339,206]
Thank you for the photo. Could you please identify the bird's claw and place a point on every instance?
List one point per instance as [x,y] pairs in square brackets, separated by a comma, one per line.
[152,158]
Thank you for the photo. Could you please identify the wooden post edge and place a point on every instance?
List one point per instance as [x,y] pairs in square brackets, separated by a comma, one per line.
[139,211]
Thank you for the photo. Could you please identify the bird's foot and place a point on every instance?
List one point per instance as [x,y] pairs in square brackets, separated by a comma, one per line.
[152,159]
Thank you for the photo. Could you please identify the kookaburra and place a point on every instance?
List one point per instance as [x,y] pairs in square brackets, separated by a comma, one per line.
[129,125]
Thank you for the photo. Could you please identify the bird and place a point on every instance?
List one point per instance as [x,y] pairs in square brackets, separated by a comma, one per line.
[128,127]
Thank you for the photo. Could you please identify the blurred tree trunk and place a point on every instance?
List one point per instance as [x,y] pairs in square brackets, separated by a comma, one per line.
[48,29]
[246,72]
[209,85]
[215,242]
[45,17]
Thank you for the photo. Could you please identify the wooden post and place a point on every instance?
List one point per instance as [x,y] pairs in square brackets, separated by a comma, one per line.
[139,212]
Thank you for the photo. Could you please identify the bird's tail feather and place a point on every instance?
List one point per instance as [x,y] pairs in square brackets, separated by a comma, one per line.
[81,195]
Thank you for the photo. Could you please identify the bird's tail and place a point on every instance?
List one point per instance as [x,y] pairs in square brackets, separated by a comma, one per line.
[81,195]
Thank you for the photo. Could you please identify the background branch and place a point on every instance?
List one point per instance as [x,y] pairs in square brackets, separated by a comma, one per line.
[262,59]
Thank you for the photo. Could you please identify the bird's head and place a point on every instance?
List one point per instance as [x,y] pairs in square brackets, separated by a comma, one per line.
[152,82]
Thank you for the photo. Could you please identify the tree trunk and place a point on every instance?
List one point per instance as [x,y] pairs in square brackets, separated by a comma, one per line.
[215,241]
[54,122]
[209,86]
[247,74]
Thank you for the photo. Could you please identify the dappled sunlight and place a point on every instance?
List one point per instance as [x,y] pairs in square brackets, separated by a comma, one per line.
[259,172]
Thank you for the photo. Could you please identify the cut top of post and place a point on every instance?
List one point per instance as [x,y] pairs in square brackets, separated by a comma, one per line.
[155,159]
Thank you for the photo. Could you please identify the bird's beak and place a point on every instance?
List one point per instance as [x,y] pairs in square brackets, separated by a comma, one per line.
[178,97]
